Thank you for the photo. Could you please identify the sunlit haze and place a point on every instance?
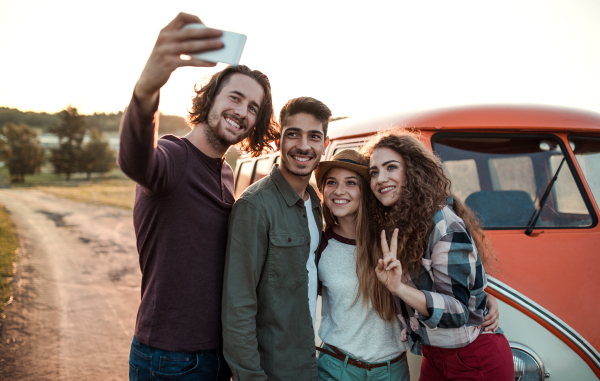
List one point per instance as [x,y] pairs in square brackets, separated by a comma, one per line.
[374,57]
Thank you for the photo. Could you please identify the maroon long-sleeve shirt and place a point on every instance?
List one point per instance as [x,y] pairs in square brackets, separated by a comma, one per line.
[182,204]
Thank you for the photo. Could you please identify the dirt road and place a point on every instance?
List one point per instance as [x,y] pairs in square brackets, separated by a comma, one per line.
[76,293]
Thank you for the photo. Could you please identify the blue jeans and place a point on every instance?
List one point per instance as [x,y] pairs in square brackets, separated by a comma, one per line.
[152,364]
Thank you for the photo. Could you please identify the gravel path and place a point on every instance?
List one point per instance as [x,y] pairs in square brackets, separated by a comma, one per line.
[76,291]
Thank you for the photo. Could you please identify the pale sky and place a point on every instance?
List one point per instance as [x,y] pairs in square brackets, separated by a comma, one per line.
[369,58]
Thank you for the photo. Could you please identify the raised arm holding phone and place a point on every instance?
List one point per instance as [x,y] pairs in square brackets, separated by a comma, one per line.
[172,42]
[184,195]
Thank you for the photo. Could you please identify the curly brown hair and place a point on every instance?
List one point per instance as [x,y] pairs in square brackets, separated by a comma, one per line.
[266,128]
[427,190]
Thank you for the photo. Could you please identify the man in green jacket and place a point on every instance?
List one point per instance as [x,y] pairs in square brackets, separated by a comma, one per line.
[270,283]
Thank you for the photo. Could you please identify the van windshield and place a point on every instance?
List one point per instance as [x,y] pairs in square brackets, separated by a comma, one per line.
[587,152]
[503,177]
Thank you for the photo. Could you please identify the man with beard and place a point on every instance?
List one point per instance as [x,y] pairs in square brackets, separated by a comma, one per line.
[274,231]
[184,195]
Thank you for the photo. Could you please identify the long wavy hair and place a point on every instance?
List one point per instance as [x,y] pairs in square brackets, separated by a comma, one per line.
[427,191]
[266,128]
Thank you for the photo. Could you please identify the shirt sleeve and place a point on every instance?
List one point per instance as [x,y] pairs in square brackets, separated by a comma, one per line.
[455,268]
[247,246]
[156,167]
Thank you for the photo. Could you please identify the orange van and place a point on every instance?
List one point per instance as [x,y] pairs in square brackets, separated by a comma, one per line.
[532,174]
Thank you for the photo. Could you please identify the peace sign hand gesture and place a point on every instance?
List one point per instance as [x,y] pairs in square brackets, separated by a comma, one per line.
[389,269]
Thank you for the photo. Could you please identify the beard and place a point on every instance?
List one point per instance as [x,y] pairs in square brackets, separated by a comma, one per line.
[214,134]
[290,168]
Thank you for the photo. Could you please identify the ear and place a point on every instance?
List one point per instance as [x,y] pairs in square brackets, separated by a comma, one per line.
[277,144]
[326,144]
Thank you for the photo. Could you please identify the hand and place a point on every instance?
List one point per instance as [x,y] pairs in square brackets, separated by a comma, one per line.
[491,320]
[389,269]
[403,335]
[171,43]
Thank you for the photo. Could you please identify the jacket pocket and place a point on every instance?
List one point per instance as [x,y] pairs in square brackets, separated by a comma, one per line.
[287,260]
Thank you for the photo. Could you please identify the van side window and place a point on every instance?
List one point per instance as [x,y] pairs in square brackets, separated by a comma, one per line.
[263,167]
[513,173]
[587,152]
[463,172]
[243,179]
[503,177]
[568,199]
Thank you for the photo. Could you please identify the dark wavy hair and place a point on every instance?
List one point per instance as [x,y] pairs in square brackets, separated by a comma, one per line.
[309,106]
[265,130]
[427,191]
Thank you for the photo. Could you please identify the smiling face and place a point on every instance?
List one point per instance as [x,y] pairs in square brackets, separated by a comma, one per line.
[302,144]
[388,175]
[234,111]
[341,192]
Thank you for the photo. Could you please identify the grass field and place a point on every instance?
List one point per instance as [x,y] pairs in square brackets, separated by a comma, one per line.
[8,255]
[113,189]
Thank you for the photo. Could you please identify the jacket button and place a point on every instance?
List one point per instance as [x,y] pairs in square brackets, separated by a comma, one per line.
[289,239]
[304,215]
[313,355]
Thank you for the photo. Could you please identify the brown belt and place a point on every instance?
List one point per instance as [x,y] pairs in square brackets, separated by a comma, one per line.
[342,357]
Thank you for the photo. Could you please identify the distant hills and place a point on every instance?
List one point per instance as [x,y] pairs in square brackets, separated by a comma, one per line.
[169,124]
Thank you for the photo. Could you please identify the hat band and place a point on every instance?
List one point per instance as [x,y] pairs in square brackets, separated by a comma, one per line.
[348,161]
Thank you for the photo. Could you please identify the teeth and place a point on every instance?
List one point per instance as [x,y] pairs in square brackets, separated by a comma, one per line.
[340,201]
[234,124]
[386,189]
[302,158]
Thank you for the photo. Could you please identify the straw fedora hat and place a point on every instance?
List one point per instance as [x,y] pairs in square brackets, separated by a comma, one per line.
[349,159]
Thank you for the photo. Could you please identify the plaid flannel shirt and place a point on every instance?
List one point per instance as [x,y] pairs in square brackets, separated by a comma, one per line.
[453,280]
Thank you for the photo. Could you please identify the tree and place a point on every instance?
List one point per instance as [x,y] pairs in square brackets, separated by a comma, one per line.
[70,131]
[96,155]
[21,151]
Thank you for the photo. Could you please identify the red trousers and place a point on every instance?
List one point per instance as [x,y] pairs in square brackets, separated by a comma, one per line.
[488,358]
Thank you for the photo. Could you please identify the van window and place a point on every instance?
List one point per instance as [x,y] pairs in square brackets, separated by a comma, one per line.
[243,179]
[503,178]
[263,167]
[463,172]
[513,173]
[568,199]
[587,152]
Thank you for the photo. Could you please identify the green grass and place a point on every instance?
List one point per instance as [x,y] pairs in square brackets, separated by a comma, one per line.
[113,192]
[113,188]
[9,245]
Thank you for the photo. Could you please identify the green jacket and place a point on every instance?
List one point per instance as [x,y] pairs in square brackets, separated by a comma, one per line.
[267,327]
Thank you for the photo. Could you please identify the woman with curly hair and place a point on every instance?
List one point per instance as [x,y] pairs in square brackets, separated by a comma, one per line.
[434,265]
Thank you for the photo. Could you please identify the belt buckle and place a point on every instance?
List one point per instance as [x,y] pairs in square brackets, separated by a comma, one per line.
[369,366]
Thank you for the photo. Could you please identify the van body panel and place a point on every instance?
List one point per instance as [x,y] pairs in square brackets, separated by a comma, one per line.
[556,275]
[560,360]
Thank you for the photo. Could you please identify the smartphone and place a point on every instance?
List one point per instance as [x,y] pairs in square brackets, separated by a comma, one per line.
[229,54]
